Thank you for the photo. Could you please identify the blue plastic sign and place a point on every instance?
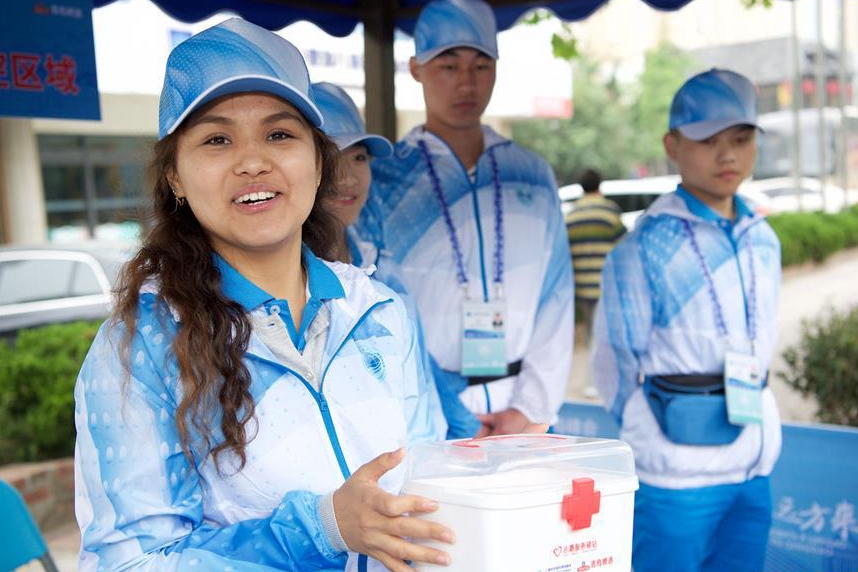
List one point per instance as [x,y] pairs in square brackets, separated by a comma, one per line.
[815,495]
[814,491]
[47,60]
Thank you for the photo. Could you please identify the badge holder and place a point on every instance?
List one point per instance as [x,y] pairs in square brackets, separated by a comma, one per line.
[743,387]
[483,338]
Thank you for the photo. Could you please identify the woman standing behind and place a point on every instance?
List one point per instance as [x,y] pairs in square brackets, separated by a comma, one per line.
[346,128]
[239,410]
[357,148]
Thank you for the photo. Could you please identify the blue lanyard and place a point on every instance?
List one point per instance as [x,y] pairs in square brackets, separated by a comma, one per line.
[461,275]
[751,319]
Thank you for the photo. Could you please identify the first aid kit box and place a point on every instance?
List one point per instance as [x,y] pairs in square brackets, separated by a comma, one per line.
[528,503]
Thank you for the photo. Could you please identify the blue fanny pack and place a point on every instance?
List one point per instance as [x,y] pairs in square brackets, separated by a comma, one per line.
[691,409]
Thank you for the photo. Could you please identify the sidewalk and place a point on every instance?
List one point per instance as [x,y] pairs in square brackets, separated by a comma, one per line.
[806,293]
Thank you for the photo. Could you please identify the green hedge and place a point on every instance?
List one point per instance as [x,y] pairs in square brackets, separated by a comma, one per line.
[814,236]
[37,376]
[824,364]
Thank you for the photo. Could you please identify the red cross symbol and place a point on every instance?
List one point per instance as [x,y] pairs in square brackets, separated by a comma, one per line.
[579,507]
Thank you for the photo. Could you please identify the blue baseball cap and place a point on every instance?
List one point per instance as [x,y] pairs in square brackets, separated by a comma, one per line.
[711,102]
[447,24]
[343,122]
[234,56]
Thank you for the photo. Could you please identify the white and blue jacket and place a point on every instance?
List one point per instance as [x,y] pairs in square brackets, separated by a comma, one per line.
[657,317]
[141,505]
[443,397]
[404,217]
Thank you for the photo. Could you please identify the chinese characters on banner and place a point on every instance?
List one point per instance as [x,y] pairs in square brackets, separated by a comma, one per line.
[841,520]
[815,492]
[47,60]
[22,72]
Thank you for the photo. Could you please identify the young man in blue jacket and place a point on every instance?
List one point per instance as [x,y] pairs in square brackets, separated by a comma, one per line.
[684,336]
[474,222]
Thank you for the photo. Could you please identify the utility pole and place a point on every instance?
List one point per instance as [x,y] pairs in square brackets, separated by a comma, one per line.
[821,76]
[797,103]
[844,123]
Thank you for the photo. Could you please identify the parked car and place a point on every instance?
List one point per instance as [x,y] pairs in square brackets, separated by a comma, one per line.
[568,195]
[57,283]
[759,202]
[785,196]
[632,195]
[635,195]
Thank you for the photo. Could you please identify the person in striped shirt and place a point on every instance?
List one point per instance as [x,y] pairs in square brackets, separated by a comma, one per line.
[594,227]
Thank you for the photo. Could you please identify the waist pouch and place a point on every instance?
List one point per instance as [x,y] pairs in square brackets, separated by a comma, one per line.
[691,409]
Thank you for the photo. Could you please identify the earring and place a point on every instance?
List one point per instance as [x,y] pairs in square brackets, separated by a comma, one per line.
[180,201]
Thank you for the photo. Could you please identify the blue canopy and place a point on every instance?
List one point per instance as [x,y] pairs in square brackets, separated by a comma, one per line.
[339,17]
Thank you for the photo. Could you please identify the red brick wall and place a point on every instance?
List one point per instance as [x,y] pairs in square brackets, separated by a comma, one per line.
[47,488]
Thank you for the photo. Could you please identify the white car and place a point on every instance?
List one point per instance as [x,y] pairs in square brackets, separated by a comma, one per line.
[568,195]
[635,195]
[632,195]
[759,202]
[784,196]
[56,283]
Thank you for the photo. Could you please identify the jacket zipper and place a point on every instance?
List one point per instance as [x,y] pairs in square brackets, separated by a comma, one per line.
[735,245]
[324,409]
[319,397]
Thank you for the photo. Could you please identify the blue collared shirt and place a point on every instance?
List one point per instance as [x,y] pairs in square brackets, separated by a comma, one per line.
[704,211]
[322,284]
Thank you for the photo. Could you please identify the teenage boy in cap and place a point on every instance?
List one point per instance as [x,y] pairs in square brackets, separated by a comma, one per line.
[684,335]
[474,222]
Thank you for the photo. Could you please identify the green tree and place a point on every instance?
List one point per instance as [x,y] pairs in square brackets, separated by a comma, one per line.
[616,129]
[563,44]
[599,134]
[823,363]
[665,69]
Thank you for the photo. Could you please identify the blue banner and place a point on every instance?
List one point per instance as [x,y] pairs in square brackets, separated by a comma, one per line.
[814,490]
[47,60]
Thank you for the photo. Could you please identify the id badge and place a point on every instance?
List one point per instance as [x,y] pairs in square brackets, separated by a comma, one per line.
[483,338]
[743,386]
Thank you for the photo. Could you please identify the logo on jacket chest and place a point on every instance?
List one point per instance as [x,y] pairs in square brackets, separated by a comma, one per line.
[373,361]
[524,196]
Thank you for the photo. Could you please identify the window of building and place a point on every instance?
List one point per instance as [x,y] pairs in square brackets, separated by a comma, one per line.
[93,184]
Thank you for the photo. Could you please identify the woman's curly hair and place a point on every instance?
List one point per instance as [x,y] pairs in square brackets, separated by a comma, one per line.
[213,331]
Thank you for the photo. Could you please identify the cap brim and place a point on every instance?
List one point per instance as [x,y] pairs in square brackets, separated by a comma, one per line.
[705,129]
[434,52]
[248,84]
[377,146]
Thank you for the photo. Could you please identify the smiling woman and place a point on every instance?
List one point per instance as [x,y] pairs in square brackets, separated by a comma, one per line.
[249,168]
[263,391]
